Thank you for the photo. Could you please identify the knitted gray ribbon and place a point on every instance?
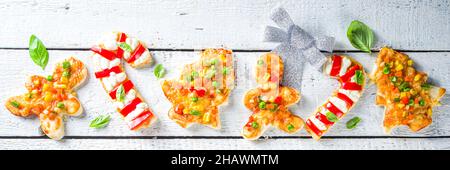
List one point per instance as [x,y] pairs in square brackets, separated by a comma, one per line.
[297,46]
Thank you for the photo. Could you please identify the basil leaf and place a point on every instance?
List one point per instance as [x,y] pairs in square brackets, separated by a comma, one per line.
[159,71]
[360,36]
[38,52]
[331,117]
[100,121]
[353,122]
[125,47]
[120,93]
[359,77]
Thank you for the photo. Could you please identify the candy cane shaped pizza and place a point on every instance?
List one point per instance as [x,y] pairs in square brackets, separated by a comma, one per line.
[202,87]
[269,101]
[108,55]
[403,91]
[51,98]
[351,77]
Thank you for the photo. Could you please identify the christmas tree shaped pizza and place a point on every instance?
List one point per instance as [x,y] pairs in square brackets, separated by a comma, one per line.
[51,98]
[403,91]
[201,88]
[270,100]
[351,77]
[108,55]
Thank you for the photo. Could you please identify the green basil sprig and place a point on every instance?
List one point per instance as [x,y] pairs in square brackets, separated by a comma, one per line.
[360,36]
[159,71]
[38,52]
[125,47]
[331,117]
[120,93]
[353,122]
[100,121]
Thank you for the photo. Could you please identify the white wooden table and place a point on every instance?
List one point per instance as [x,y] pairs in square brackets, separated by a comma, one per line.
[175,28]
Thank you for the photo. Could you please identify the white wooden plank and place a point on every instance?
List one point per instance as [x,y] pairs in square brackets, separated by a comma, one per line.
[16,66]
[237,24]
[226,144]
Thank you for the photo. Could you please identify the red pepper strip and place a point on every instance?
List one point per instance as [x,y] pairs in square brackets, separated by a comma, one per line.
[138,121]
[122,39]
[278,100]
[130,107]
[313,128]
[349,74]
[337,62]
[109,55]
[351,86]
[137,53]
[333,109]
[346,99]
[323,119]
[200,92]
[127,86]
[105,73]
[249,122]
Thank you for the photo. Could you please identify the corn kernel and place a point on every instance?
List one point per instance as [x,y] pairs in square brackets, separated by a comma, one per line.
[185,111]
[417,77]
[48,97]
[64,79]
[45,87]
[399,67]
[36,82]
[206,117]
[61,86]
[400,105]
[413,92]
[429,112]
[402,94]
[410,62]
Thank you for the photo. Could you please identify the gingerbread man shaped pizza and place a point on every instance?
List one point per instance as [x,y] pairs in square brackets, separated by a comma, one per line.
[270,100]
[202,87]
[51,98]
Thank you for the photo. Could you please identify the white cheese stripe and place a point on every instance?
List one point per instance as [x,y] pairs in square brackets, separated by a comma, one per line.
[344,65]
[340,104]
[109,41]
[318,123]
[136,112]
[113,80]
[324,111]
[352,94]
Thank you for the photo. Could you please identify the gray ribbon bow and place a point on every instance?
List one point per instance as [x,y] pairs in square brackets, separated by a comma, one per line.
[296,46]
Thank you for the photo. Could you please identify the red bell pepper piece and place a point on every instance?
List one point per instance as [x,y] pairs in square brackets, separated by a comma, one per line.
[351,86]
[278,100]
[200,92]
[337,62]
[346,99]
[179,109]
[106,72]
[109,55]
[130,107]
